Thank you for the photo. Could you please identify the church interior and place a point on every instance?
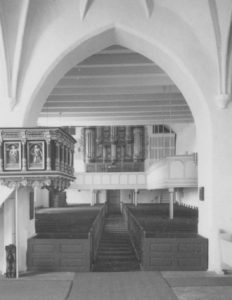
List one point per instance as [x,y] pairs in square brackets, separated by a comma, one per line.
[115,142]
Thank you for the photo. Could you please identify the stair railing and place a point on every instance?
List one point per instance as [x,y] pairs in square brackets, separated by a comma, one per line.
[95,234]
[136,232]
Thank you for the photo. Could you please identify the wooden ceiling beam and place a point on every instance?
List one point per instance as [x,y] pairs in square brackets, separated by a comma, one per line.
[116,86]
[123,90]
[115,58]
[114,70]
[70,121]
[115,106]
[169,98]
[119,80]
[120,113]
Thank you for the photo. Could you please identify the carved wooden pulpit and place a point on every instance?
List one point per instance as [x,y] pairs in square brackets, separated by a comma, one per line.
[34,157]
[37,157]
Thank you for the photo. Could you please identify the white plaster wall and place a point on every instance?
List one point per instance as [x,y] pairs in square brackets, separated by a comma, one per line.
[2,249]
[78,197]
[41,197]
[8,227]
[146,196]
[75,196]
[220,205]
[126,196]
[26,227]
[79,165]
[101,196]
[9,224]
[189,196]
[185,138]
[5,193]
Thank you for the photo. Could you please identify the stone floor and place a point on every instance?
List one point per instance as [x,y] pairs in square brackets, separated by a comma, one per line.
[118,285]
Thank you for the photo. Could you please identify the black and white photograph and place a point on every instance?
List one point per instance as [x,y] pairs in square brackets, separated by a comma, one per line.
[116,149]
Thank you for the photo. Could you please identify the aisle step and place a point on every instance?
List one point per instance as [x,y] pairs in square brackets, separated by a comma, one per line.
[115,253]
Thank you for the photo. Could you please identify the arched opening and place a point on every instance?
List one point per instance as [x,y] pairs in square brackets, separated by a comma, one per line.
[84,93]
[103,38]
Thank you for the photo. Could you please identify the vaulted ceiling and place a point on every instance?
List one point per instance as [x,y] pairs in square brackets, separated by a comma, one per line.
[116,86]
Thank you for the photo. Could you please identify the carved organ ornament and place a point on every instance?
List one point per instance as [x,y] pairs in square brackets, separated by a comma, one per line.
[114,145]
[37,157]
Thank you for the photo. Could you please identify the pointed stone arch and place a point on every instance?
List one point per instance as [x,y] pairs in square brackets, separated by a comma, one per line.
[108,36]
[137,41]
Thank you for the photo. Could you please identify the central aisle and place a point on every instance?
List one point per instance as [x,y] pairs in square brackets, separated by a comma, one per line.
[121,286]
[115,253]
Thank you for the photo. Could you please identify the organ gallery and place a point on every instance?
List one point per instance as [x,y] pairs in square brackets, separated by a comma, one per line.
[114,149]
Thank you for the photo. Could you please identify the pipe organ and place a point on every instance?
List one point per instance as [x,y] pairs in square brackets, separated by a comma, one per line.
[114,149]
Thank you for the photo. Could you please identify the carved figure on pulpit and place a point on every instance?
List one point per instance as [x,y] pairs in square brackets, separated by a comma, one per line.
[36,155]
[12,155]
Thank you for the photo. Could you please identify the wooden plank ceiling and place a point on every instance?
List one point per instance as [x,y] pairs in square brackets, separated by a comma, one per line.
[116,86]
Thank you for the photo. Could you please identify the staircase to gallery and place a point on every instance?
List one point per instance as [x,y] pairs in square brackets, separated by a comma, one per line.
[115,252]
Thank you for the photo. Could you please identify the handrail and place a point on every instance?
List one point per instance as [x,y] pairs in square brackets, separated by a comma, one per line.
[136,221]
[97,217]
[138,238]
[91,234]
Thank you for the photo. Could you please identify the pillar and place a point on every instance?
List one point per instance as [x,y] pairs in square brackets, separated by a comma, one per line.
[66,158]
[62,157]
[17,231]
[128,134]
[24,159]
[57,198]
[103,154]
[138,143]
[94,198]
[128,142]
[215,210]
[122,156]
[48,142]
[113,152]
[72,161]
[99,135]
[113,143]
[57,161]
[1,157]
[89,145]
[135,197]
[179,195]
[171,202]
[69,161]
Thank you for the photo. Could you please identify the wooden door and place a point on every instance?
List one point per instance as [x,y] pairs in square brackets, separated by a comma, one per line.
[113,199]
